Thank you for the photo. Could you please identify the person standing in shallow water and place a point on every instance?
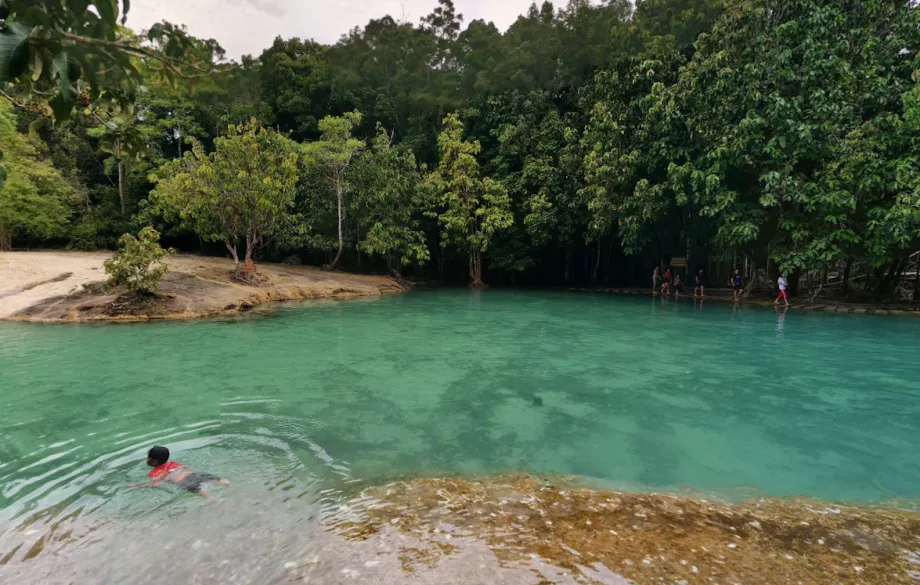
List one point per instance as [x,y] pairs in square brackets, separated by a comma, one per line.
[656,278]
[700,289]
[783,284]
[737,283]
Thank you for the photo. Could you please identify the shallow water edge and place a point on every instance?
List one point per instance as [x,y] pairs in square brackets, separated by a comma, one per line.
[515,529]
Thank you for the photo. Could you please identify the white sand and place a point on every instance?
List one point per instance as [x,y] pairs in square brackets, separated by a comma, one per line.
[21,269]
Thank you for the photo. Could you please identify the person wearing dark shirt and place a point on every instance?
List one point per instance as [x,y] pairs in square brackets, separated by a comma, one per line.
[737,283]
[700,290]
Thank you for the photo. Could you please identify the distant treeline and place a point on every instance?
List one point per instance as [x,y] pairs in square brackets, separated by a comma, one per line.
[586,144]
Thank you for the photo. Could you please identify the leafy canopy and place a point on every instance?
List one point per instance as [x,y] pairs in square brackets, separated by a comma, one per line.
[242,193]
[36,199]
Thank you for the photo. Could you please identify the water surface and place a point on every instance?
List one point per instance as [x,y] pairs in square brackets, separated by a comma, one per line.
[320,399]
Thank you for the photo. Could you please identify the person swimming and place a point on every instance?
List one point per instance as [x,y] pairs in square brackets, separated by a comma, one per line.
[177,473]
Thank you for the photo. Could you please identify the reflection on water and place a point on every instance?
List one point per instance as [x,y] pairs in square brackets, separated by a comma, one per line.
[304,409]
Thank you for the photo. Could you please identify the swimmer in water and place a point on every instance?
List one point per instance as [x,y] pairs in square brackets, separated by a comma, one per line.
[177,473]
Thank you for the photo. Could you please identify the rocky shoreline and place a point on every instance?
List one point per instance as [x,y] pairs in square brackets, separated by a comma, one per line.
[594,536]
[194,288]
[507,529]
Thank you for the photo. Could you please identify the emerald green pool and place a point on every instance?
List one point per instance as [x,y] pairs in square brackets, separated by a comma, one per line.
[322,398]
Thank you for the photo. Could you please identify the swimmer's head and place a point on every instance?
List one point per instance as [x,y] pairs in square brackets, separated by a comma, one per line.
[157,456]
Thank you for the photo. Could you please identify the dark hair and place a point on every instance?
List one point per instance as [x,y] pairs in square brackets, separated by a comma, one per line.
[159,454]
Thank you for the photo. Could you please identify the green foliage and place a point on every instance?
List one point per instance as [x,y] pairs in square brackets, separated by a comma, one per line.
[597,135]
[242,192]
[36,199]
[99,228]
[331,156]
[296,85]
[138,264]
[388,186]
[60,44]
[470,210]
[628,151]
[794,121]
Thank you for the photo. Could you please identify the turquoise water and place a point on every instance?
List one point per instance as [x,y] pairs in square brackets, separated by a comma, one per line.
[319,399]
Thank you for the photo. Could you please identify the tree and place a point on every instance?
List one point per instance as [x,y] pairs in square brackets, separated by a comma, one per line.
[242,192]
[470,210]
[332,155]
[388,186]
[120,138]
[539,160]
[295,84]
[779,101]
[75,52]
[629,149]
[138,264]
[36,198]
[62,43]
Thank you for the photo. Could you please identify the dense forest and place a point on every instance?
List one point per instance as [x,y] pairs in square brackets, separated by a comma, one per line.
[585,145]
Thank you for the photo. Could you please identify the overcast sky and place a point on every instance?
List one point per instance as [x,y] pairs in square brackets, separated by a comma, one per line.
[249,26]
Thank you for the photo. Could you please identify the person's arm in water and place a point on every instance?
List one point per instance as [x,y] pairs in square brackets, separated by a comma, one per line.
[149,484]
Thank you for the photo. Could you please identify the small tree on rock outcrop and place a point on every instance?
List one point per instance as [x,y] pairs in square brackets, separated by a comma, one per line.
[138,264]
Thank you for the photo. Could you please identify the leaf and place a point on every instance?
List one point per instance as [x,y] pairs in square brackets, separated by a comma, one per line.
[68,71]
[36,126]
[61,106]
[126,7]
[108,10]
[14,50]
[38,65]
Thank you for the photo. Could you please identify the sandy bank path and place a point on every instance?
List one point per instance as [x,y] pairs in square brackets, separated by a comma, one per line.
[20,272]
[49,287]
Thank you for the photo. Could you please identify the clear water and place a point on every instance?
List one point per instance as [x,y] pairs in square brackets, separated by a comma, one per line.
[319,399]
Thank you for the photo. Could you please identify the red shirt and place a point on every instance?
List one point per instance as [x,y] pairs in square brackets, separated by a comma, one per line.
[163,471]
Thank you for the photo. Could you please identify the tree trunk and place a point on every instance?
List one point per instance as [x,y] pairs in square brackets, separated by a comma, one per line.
[236,258]
[597,262]
[338,190]
[476,268]
[751,286]
[887,284]
[846,277]
[794,281]
[568,265]
[607,263]
[917,281]
[251,244]
[6,240]
[121,176]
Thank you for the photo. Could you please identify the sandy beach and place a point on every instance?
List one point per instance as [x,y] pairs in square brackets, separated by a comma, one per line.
[67,286]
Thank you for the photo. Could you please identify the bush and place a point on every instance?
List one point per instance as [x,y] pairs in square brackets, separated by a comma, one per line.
[138,264]
[98,229]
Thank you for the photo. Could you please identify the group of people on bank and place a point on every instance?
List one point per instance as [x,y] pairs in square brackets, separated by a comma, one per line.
[672,282]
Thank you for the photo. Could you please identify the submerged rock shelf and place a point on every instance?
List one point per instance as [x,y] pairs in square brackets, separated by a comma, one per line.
[606,536]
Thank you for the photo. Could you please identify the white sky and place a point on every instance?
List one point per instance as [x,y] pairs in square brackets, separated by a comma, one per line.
[249,26]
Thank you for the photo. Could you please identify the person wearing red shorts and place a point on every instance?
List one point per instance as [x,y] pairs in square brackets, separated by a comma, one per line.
[783,293]
[178,474]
